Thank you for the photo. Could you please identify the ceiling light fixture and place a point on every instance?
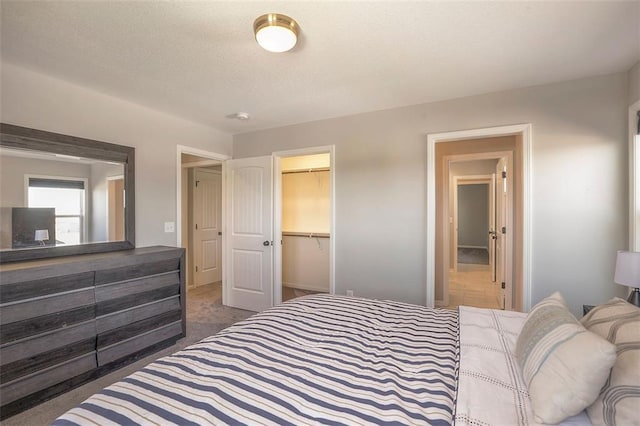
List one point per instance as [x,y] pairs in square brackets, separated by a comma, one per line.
[275,32]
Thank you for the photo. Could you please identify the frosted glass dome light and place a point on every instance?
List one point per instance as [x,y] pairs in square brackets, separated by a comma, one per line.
[275,32]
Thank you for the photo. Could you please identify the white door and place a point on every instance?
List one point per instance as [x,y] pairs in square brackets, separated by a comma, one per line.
[492,227]
[249,279]
[501,229]
[207,226]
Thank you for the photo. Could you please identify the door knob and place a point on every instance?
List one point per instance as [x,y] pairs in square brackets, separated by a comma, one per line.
[266,243]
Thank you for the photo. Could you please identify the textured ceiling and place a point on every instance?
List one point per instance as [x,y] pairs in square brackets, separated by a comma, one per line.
[199,60]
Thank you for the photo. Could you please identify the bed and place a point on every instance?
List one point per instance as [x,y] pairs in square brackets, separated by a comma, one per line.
[333,360]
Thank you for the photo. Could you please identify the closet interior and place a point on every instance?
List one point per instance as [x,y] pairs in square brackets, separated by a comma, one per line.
[306,227]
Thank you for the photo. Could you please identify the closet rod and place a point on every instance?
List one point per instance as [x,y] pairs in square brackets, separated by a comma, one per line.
[307,234]
[319,169]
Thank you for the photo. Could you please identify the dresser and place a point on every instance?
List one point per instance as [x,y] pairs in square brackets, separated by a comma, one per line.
[66,321]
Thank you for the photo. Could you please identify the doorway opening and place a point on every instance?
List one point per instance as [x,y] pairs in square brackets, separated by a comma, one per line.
[306,224]
[479,144]
[478,211]
[199,227]
[304,221]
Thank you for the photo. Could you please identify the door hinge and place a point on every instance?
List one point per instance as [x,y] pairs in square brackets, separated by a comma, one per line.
[503,285]
[196,226]
[504,175]
[504,229]
[197,182]
[197,271]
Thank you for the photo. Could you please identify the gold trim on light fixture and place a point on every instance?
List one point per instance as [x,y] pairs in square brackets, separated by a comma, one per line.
[284,28]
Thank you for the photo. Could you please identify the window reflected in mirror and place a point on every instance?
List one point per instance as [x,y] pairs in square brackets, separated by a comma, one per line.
[51,200]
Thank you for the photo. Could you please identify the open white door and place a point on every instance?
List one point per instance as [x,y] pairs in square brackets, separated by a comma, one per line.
[249,280]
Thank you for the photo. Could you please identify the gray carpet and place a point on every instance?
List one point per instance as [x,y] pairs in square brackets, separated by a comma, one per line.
[205,316]
[473,255]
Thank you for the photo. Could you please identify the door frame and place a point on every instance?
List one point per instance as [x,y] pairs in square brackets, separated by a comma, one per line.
[210,155]
[463,180]
[277,214]
[525,132]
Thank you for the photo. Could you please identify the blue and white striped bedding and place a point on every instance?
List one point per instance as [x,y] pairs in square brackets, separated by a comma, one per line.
[314,360]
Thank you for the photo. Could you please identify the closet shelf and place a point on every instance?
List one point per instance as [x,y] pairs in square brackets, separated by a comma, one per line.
[307,234]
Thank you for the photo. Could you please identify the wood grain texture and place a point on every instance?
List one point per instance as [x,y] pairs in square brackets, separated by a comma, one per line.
[105,276]
[41,343]
[136,328]
[31,383]
[140,285]
[38,325]
[34,363]
[115,305]
[49,304]
[10,292]
[136,313]
[126,347]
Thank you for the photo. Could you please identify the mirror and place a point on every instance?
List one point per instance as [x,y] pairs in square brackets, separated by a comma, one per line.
[62,195]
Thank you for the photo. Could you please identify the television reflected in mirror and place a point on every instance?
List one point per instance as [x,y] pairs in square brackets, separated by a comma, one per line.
[33,227]
[62,195]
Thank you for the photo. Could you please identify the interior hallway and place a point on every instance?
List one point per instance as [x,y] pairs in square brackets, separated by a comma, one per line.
[471,285]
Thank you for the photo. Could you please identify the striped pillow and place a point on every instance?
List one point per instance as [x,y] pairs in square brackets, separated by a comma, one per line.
[619,322]
[563,364]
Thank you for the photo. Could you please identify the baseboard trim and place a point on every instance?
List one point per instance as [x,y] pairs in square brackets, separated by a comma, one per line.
[473,247]
[440,303]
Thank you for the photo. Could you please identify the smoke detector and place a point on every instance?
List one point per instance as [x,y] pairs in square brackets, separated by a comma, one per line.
[242,116]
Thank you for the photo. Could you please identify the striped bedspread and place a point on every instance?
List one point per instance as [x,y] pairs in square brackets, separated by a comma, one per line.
[314,360]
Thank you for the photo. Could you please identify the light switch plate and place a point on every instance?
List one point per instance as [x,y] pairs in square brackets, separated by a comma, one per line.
[169,227]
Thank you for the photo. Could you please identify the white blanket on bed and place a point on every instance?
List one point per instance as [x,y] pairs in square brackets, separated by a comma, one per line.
[491,390]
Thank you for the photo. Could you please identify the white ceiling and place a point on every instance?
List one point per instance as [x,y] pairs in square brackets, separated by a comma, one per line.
[199,60]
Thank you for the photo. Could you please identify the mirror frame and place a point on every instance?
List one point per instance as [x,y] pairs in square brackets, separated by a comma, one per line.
[12,136]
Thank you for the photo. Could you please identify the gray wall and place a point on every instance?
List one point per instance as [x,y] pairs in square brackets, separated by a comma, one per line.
[36,100]
[579,217]
[473,215]
[634,84]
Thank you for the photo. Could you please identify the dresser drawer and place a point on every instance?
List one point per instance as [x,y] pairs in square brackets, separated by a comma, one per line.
[41,379]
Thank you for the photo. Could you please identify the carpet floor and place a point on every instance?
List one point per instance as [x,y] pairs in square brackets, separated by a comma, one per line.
[473,256]
[205,317]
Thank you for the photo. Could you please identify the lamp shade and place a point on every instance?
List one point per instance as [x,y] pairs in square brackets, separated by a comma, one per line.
[41,235]
[275,32]
[628,268]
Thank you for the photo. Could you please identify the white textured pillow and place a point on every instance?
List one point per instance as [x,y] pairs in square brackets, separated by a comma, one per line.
[619,322]
[563,364]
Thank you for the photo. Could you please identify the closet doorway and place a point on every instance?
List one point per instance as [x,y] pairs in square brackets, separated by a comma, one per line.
[303,197]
